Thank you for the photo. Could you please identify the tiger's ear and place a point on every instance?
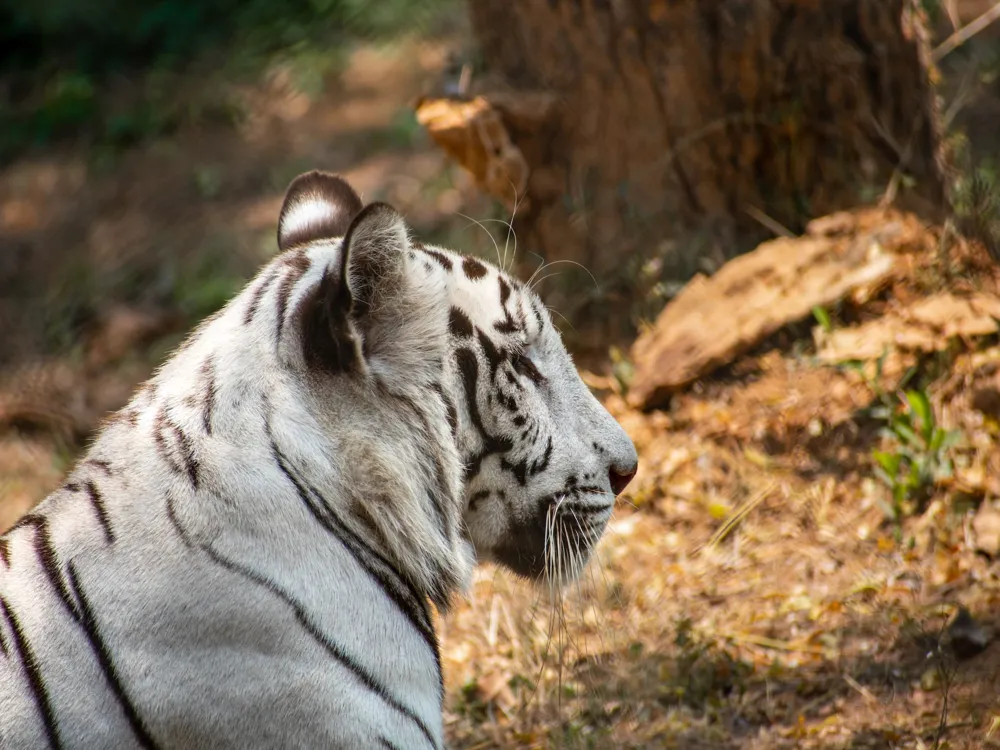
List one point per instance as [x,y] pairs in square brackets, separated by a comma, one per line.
[318,206]
[363,280]
[372,258]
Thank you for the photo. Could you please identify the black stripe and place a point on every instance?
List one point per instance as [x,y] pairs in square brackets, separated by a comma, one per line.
[388,744]
[183,446]
[104,466]
[387,575]
[257,295]
[441,258]
[3,644]
[42,542]
[285,290]
[504,291]
[298,258]
[518,468]
[459,324]
[4,552]
[538,316]
[476,498]
[187,454]
[102,513]
[208,406]
[408,600]
[100,649]
[159,437]
[35,679]
[366,678]
[397,588]
[494,357]
[468,366]
[473,268]
[507,325]
[543,463]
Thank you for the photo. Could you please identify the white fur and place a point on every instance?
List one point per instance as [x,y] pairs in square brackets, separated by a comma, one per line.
[207,656]
[305,214]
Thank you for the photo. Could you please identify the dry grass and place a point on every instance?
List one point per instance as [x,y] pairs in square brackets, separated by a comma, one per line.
[806,626]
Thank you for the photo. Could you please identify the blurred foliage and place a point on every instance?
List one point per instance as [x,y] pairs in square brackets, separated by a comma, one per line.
[58,58]
[97,37]
[977,205]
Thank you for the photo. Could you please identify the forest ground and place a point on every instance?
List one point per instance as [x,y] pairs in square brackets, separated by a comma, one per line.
[750,592]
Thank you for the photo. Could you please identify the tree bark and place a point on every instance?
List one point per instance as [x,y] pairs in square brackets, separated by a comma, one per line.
[687,129]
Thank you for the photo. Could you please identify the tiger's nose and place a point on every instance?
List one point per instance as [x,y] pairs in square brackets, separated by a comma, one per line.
[620,479]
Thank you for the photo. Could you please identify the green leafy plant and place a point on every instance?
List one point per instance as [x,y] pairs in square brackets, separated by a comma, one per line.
[704,671]
[919,456]
[64,62]
[918,452]
[823,318]
[977,207]
[884,404]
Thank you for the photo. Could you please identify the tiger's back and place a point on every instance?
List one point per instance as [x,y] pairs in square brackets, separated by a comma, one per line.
[246,554]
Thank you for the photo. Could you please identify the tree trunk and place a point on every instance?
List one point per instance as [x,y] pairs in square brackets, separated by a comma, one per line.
[689,130]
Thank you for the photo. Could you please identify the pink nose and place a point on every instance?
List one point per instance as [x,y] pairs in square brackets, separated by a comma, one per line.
[620,480]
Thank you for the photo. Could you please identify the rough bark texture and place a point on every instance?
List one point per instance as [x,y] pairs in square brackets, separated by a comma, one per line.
[682,125]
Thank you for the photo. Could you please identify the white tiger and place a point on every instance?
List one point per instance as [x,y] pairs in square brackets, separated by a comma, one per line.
[245,556]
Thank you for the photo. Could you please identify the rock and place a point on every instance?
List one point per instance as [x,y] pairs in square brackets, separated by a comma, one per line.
[714,320]
[925,326]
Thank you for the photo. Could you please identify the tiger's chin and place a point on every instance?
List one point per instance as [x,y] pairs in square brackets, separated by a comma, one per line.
[553,546]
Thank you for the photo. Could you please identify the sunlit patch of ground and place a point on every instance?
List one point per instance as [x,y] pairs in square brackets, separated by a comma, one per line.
[802,625]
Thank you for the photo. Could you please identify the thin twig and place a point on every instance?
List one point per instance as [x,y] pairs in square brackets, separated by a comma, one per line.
[965,33]
[773,644]
[948,675]
[904,159]
[781,231]
[738,515]
[867,694]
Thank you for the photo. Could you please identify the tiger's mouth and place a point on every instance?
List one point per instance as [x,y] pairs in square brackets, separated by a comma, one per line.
[554,543]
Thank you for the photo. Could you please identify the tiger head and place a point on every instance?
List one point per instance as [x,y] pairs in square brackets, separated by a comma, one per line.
[476,419]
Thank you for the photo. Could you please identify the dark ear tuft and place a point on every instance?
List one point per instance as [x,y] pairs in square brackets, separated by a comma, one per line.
[318,206]
[367,276]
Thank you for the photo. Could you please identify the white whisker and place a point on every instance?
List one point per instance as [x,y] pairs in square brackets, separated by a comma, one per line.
[546,276]
[553,310]
[510,230]
[571,262]
[483,227]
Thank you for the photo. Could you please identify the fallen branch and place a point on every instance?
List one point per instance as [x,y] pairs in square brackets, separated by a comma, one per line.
[965,33]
